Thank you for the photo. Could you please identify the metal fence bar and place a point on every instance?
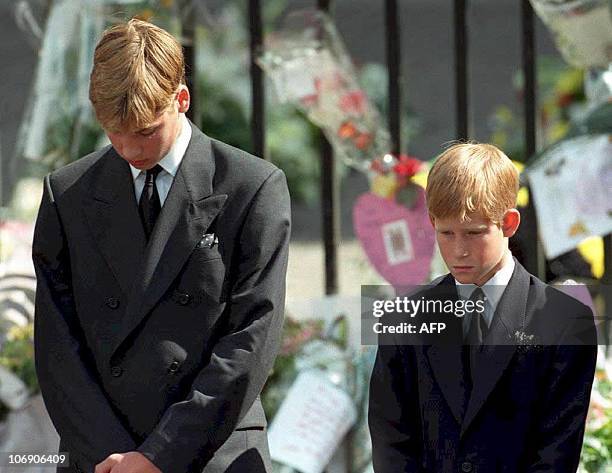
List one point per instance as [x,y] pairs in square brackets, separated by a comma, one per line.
[461,71]
[257,81]
[529,73]
[606,285]
[189,50]
[330,203]
[392,36]
[534,259]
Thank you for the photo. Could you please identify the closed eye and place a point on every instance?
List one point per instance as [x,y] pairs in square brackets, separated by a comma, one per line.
[149,131]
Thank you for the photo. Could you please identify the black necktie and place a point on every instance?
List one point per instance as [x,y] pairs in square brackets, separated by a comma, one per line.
[478,326]
[473,341]
[149,204]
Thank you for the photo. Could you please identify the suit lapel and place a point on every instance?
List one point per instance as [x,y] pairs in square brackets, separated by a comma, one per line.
[446,365]
[112,215]
[510,317]
[187,212]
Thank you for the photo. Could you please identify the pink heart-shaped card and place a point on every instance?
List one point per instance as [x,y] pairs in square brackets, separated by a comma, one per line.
[399,241]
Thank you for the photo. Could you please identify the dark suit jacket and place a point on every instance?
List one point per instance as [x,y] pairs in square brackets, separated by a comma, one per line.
[162,348]
[528,405]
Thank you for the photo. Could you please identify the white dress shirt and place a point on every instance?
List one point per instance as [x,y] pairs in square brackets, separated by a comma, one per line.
[493,290]
[169,164]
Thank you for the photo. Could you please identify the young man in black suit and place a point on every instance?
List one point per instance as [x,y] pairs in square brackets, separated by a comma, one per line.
[161,264]
[511,393]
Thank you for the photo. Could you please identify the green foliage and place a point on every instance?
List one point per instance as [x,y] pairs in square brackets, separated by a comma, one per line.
[17,355]
[293,144]
[596,455]
[597,447]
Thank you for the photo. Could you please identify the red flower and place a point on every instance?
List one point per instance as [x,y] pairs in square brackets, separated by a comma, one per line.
[563,100]
[407,166]
[347,130]
[377,166]
[310,100]
[353,102]
[363,140]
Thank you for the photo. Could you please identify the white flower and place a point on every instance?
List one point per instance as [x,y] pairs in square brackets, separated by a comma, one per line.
[523,338]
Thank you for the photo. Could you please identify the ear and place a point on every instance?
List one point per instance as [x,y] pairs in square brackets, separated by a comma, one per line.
[183,98]
[510,222]
[433,221]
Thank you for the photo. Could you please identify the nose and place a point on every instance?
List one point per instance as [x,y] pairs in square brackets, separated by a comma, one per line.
[461,249]
[130,151]
[127,147]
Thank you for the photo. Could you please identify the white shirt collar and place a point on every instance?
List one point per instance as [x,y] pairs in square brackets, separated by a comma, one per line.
[173,158]
[494,287]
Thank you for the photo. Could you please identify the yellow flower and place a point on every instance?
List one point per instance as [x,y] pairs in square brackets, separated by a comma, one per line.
[522,199]
[420,177]
[384,185]
[17,332]
[558,131]
[569,82]
[592,251]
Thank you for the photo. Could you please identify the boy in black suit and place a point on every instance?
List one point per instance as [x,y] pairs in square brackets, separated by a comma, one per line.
[161,264]
[512,393]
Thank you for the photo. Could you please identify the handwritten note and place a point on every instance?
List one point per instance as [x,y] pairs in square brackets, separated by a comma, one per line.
[310,424]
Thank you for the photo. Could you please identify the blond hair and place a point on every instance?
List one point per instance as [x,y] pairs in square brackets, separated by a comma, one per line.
[472,178]
[137,70]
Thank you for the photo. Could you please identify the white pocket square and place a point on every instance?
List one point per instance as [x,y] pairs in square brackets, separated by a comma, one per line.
[208,240]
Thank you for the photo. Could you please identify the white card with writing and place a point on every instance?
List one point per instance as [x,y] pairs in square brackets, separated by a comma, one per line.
[572,191]
[311,422]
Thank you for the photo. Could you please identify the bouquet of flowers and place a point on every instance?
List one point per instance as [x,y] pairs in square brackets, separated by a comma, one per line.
[582,29]
[395,178]
[310,68]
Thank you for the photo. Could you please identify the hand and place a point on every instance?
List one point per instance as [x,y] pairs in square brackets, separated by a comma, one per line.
[129,462]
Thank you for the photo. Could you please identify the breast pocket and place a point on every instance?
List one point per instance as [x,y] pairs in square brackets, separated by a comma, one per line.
[203,253]
[204,277]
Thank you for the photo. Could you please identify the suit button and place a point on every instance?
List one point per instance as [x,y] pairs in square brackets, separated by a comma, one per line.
[112,302]
[116,371]
[173,368]
[466,467]
[184,299]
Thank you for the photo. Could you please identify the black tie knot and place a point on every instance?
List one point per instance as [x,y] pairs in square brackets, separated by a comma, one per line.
[478,328]
[152,173]
[477,295]
[149,205]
